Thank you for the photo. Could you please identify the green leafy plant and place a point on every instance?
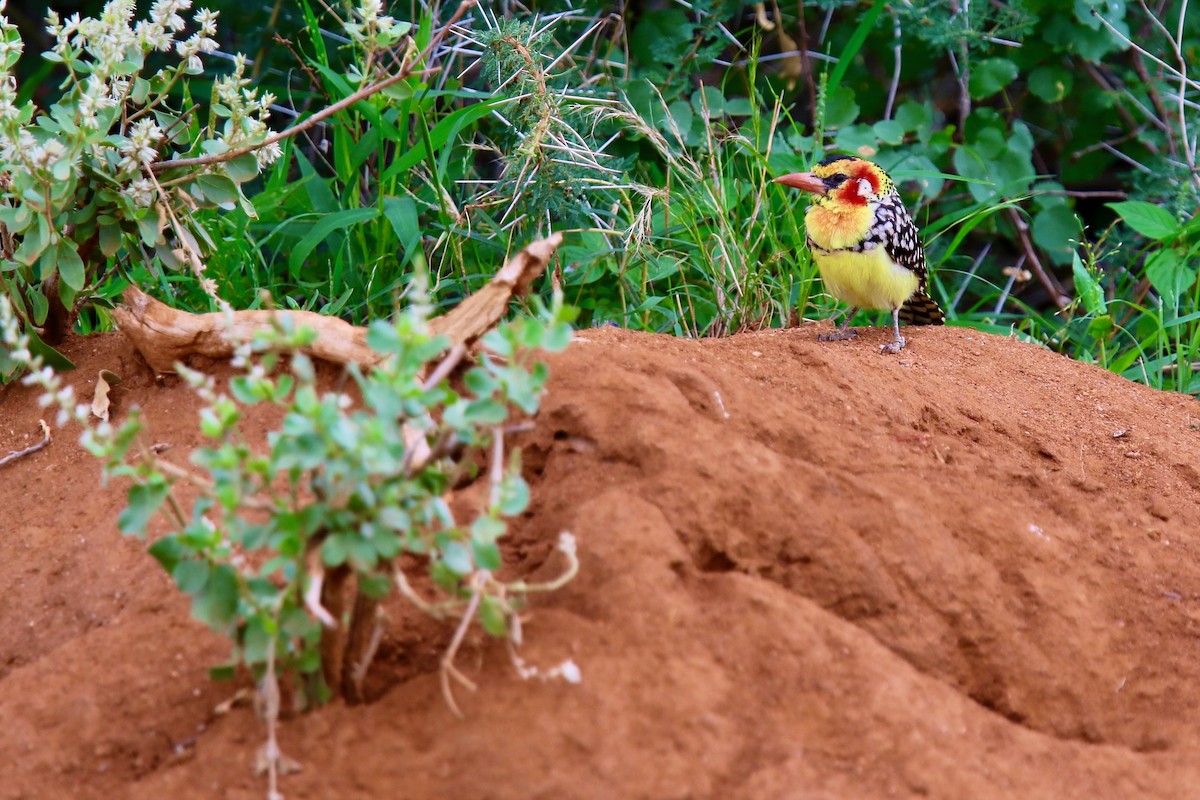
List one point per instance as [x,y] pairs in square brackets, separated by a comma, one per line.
[289,550]
[84,184]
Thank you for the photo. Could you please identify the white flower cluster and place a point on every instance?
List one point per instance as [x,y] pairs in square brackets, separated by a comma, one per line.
[107,38]
[112,38]
[141,147]
[201,41]
[248,112]
[8,99]
[141,192]
[10,49]
[374,28]
[17,149]
[10,41]
[46,155]
[53,390]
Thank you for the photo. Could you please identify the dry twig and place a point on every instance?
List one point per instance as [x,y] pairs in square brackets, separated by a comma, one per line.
[14,455]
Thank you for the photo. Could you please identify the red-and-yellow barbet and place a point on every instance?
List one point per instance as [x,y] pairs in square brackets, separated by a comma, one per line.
[865,245]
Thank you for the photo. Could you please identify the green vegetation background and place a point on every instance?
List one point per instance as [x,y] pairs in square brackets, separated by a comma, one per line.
[1049,161]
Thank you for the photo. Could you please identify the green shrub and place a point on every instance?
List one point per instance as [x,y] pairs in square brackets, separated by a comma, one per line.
[81,194]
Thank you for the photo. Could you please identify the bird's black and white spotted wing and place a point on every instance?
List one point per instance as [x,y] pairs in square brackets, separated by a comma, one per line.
[898,234]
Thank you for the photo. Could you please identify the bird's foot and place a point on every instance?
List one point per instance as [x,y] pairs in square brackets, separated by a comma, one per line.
[893,347]
[838,335]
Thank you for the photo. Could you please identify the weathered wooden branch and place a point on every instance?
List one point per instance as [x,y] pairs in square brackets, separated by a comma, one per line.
[165,335]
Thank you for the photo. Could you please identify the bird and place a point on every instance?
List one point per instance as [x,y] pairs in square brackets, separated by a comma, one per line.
[865,245]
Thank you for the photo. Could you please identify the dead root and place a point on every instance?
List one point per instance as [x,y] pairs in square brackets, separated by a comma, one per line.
[165,335]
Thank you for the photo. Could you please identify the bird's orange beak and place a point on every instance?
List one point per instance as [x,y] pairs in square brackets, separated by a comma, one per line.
[803,180]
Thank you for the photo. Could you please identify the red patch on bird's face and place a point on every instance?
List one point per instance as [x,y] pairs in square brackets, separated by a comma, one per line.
[848,192]
[851,190]
[864,171]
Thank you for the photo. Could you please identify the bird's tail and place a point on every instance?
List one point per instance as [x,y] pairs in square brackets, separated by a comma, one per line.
[921,309]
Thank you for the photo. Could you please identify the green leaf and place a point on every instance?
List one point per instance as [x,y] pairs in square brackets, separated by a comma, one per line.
[1152,221]
[514,498]
[16,218]
[244,390]
[1170,275]
[840,108]
[889,131]
[558,336]
[663,37]
[220,190]
[225,672]
[492,617]
[1088,288]
[486,529]
[306,451]
[334,551]
[382,337]
[479,382]
[915,117]
[190,575]
[296,623]
[327,225]
[989,76]
[33,243]
[70,265]
[485,411]
[443,133]
[144,500]
[217,603]
[443,576]
[256,641]
[1051,83]
[487,555]
[66,295]
[168,551]
[394,518]
[243,168]
[110,238]
[1101,326]
[679,113]
[457,558]
[708,102]
[147,222]
[315,35]
[1054,228]
[39,307]
[48,354]
[739,107]
[401,213]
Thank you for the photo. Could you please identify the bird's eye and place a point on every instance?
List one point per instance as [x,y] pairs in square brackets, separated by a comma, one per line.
[835,180]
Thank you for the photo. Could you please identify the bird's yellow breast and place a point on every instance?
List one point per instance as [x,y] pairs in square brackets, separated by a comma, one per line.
[837,226]
[869,279]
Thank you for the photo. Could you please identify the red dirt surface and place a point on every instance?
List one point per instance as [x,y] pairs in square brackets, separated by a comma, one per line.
[808,570]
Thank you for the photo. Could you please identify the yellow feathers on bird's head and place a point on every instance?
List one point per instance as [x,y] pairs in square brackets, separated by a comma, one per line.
[842,180]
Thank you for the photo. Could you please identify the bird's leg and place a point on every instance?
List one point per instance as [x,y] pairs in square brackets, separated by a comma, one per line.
[897,344]
[844,331]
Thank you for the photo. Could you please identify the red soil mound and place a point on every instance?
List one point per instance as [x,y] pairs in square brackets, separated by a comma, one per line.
[808,570]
